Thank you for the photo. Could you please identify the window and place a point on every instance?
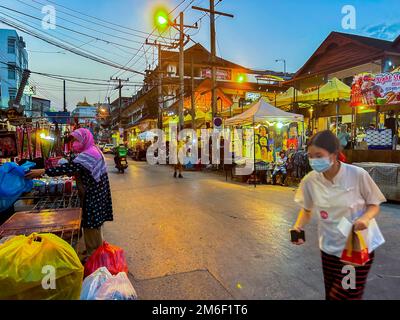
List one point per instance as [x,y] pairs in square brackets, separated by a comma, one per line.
[11,71]
[12,92]
[11,45]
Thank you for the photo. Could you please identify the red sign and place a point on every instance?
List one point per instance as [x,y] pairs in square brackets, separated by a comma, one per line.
[222,74]
[372,90]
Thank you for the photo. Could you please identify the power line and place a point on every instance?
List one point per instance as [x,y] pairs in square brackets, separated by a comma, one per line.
[99,19]
[68,48]
[78,32]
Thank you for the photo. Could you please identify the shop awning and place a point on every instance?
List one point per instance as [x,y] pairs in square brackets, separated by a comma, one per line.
[262,111]
[331,91]
[287,97]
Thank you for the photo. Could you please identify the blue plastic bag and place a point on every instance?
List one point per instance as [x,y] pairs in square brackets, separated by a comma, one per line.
[13,183]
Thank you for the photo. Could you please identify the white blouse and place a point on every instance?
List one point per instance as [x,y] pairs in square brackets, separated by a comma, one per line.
[347,197]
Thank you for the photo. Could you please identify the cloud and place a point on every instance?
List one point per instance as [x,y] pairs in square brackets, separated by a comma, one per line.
[385,31]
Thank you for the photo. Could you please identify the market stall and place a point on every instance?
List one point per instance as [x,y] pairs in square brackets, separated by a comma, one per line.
[273,131]
[376,101]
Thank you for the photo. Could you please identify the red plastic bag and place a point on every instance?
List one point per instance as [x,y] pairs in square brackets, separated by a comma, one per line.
[109,256]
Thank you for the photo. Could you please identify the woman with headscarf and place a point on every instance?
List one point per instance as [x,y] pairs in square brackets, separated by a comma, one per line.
[90,171]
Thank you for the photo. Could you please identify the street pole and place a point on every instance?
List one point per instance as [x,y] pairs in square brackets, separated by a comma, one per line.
[120,86]
[181,70]
[65,100]
[212,13]
[213,59]
[193,102]
[160,91]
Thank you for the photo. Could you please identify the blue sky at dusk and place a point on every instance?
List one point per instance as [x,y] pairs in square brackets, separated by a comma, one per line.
[261,32]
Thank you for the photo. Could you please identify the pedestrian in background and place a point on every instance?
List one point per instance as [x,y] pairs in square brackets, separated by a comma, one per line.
[333,191]
[344,136]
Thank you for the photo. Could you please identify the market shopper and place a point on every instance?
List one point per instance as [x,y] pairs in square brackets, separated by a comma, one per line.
[333,191]
[280,168]
[90,170]
[344,136]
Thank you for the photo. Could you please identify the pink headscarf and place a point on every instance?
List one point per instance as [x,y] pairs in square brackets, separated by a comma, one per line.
[89,155]
[85,138]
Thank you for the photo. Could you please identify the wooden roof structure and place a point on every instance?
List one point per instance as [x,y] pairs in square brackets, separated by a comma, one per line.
[340,51]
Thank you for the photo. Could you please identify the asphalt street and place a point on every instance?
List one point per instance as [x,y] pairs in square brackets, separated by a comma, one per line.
[201,237]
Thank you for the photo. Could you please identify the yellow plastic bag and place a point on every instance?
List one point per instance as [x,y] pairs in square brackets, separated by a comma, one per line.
[38,267]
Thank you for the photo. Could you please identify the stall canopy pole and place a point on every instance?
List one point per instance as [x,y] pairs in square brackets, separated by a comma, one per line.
[337,116]
[254,154]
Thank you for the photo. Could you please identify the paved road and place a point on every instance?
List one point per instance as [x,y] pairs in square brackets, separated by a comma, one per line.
[203,238]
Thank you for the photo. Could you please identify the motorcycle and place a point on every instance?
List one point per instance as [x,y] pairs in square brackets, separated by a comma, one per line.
[121,163]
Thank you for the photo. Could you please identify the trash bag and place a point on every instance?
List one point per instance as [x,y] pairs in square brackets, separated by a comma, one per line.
[13,183]
[39,267]
[93,283]
[117,288]
[109,256]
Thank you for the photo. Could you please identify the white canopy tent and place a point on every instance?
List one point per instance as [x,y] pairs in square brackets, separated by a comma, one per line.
[262,111]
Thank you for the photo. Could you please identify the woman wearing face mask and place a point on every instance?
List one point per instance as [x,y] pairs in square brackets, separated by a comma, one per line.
[90,170]
[336,191]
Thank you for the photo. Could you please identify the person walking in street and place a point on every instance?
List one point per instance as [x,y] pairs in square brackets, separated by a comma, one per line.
[336,191]
[90,170]
[344,136]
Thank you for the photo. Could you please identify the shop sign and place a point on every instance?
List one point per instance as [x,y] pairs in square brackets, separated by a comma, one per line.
[222,74]
[379,89]
[253,96]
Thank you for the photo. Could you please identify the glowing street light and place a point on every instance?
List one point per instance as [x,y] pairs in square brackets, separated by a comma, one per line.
[161,19]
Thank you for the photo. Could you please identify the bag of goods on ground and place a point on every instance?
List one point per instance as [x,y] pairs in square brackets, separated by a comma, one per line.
[38,267]
[109,256]
[117,288]
[93,283]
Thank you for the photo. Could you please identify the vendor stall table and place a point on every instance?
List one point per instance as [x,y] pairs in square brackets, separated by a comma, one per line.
[386,176]
[65,223]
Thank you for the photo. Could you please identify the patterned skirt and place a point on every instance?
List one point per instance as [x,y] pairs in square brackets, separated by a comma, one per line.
[338,285]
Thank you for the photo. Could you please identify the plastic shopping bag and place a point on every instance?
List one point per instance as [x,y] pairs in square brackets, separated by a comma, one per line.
[109,256]
[13,183]
[39,266]
[356,251]
[93,283]
[117,288]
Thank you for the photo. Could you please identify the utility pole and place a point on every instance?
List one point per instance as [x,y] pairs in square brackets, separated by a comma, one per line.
[160,79]
[65,100]
[193,102]
[119,87]
[181,70]
[213,38]
[182,43]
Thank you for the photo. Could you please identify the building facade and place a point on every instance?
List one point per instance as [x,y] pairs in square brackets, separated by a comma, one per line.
[13,58]
[39,107]
[85,113]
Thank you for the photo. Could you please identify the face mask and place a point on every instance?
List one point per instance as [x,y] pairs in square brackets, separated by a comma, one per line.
[77,147]
[321,165]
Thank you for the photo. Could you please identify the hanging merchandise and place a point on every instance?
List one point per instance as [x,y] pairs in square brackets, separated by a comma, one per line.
[39,267]
[13,183]
[38,145]
[93,283]
[117,288]
[109,256]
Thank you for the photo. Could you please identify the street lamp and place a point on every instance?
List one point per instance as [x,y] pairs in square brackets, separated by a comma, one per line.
[284,64]
[161,19]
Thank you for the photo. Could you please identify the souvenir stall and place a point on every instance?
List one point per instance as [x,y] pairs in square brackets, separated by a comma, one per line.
[376,103]
[274,130]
